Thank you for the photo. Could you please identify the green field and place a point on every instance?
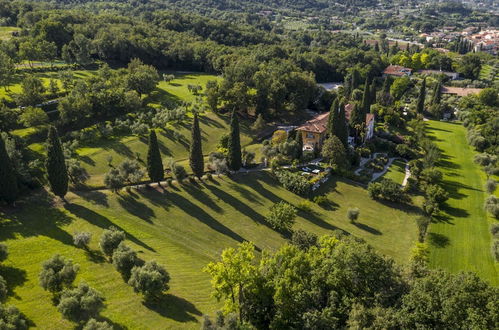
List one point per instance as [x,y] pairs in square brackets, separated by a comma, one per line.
[460,239]
[183,228]
[396,171]
[6,32]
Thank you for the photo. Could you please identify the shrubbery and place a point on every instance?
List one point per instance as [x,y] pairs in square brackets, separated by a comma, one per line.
[93,324]
[281,216]
[387,189]
[294,182]
[124,259]
[492,206]
[11,318]
[82,239]
[304,239]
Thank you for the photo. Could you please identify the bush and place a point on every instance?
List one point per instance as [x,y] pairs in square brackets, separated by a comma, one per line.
[321,200]
[490,186]
[4,252]
[423,223]
[494,230]
[305,206]
[82,239]
[150,280]
[3,289]
[124,259]
[281,216]
[387,189]
[93,324]
[11,318]
[492,206]
[353,214]
[178,171]
[303,239]
[436,193]
[110,240]
[495,249]
[57,273]
[80,303]
[294,182]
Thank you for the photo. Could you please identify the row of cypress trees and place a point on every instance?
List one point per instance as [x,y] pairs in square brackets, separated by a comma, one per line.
[57,173]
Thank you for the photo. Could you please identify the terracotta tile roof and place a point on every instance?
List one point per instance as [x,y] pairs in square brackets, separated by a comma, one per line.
[348,111]
[318,124]
[369,118]
[460,91]
[397,70]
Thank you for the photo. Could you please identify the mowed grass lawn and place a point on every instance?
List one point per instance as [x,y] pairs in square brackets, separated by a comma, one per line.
[396,171]
[183,228]
[460,239]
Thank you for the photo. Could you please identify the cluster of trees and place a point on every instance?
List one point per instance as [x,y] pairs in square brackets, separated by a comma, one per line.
[339,281]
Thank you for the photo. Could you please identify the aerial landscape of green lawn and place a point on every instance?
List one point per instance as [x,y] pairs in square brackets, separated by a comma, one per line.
[460,238]
[183,228]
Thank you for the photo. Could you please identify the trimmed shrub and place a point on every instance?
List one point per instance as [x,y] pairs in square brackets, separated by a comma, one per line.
[353,214]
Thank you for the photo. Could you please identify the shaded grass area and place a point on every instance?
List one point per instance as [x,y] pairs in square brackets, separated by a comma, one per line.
[460,238]
[183,228]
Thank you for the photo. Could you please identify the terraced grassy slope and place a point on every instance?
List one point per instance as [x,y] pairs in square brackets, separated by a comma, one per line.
[183,228]
[460,240]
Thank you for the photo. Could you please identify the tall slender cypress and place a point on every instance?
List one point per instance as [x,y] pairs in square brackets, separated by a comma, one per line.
[196,159]
[55,164]
[421,98]
[299,142]
[155,168]
[341,126]
[234,159]
[437,93]
[333,113]
[366,98]
[8,179]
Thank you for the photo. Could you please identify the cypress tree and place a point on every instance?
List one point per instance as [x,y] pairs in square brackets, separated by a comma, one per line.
[196,159]
[155,168]
[366,98]
[234,158]
[421,98]
[341,126]
[8,178]
[55,165]
[299,142]
[332,117]
[437,93]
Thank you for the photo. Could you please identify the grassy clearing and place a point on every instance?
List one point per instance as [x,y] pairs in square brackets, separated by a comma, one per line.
[460,240]
[6,32]
[183,228]
[396,171]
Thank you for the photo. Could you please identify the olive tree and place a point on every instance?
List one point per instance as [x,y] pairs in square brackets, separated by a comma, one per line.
[57,273]
[110,240]
[80,303]
[150,280]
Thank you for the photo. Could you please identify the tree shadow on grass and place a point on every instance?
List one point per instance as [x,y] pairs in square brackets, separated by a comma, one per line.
[455,212]
[205,120]
[367,228]
[249,195]
[438,240]
[316,220]
[238,205]
[136,208]
[15,277]
[173,307]
[196,191]
[93,196]
[101,221]
[95,256]
[198,213]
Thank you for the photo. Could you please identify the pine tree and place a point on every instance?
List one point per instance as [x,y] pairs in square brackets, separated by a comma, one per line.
[155,168]
[234,157]
[55,165]
[341,126]
[8,178]
[299,142]
[196,159]
[421,97]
